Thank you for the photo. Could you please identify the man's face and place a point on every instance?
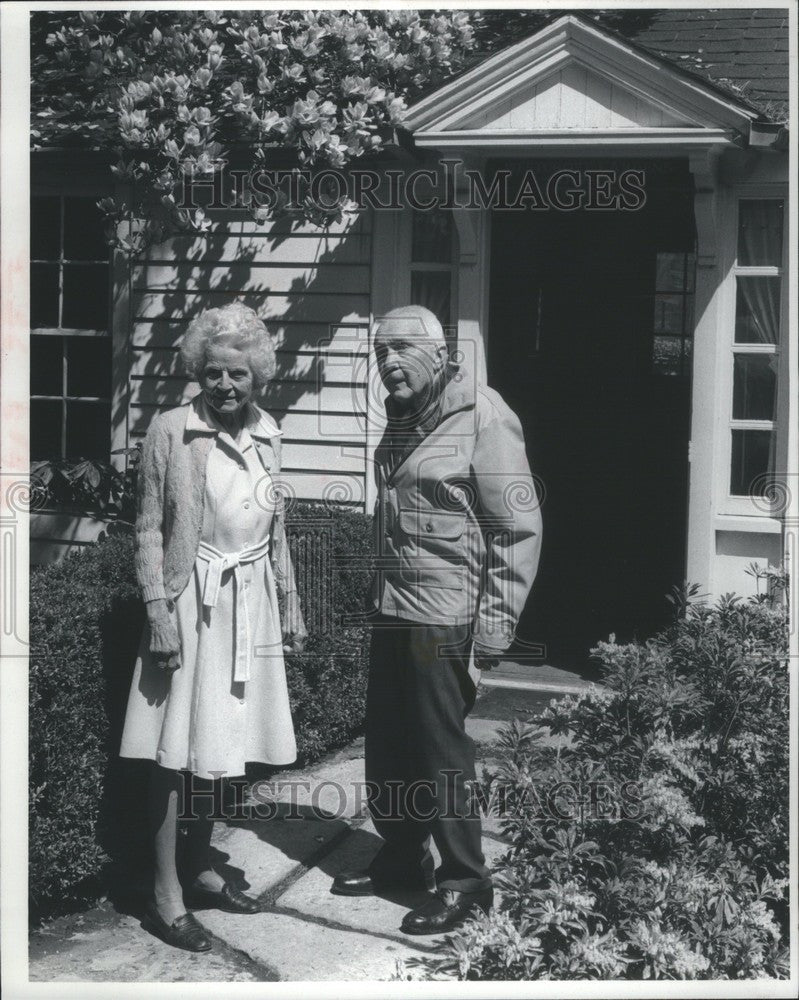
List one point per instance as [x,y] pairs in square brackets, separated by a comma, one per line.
[408,361]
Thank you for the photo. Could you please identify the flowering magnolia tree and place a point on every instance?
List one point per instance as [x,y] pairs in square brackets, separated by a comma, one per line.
[172,92]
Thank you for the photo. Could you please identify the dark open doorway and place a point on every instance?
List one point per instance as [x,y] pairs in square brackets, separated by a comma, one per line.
[590,320]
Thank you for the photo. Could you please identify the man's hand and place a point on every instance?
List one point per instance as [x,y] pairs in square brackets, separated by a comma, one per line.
[485,658]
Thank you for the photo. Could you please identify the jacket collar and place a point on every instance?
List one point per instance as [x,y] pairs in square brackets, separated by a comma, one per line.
[200,420]
[399,443]
[457,393]
[460,392]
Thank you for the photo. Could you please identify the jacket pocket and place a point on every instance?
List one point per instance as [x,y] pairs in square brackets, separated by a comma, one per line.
[432,552]
[432,525]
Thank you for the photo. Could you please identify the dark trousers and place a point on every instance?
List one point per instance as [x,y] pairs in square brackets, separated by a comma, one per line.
[419,760]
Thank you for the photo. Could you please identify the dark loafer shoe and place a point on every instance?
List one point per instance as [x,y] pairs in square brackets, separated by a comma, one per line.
[353,884]
[228,898]
[362,883]
[445,911]
[185,932]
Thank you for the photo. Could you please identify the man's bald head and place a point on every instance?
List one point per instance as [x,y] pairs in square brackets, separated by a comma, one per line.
[411,355]
[416,322]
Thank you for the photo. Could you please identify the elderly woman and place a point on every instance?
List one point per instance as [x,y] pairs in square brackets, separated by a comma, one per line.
[209,690]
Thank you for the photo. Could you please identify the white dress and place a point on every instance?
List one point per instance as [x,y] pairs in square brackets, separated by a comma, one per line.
[228,702]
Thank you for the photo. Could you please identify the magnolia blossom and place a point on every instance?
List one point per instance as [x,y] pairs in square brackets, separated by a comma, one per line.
[324,81]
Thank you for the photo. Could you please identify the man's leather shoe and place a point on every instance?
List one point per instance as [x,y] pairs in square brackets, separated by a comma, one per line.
[185,932]
[353,884]
[362,883]
[227,898]
[445,911]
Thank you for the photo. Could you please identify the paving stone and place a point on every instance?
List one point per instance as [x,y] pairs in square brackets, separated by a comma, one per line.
[303,949]
[311,894]
[483,731]
[106,946]
[264,852]
[334,790]
[308,935]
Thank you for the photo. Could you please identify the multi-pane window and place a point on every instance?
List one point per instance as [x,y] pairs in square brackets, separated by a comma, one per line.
[70,342]
[758,289]
[673,324]
[433,270]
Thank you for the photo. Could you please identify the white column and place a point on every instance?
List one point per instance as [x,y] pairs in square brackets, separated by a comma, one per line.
[473,269]
[390,284]
[703,447]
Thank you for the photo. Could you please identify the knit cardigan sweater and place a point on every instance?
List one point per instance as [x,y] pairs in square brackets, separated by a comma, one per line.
[171,500]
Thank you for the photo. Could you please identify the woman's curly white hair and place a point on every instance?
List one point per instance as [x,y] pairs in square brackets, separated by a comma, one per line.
[234,325]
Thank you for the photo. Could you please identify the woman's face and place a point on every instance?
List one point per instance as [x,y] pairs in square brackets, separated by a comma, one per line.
[226,378]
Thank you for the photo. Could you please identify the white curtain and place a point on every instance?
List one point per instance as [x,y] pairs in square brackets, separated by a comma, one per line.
[760,243]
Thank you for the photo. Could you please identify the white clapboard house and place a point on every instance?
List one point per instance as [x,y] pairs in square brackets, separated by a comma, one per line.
[644,348]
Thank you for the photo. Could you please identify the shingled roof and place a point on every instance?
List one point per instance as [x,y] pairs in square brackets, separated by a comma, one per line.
[742,50]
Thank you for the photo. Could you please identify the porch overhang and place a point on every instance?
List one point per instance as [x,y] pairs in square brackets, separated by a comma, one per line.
[654,141]
[574,87]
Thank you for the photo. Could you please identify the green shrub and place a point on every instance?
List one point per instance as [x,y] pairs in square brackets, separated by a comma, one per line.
[86,619]
[331,551]
[650,837]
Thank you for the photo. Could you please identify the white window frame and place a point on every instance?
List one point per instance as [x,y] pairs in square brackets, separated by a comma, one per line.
[729,503]
[688,329]
[408,265]
[63,192]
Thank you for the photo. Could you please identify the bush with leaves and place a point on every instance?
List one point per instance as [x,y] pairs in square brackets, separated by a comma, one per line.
[173,91]
[88,486]
[649,829]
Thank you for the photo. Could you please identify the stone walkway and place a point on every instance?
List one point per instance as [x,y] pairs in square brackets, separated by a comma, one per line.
[312,825]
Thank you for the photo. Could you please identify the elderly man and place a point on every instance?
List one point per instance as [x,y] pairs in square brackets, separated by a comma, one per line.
[457,530]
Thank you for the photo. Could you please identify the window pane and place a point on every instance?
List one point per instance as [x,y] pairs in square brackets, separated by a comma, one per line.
[432,290]
[46,366]
[88,430]
[45,429]
[84,238]
[760,232]
[757,310]
[667,355]
[85,297]
[45,228]
[89,366]
[670,274]
[668,314]
[432,237]
[751,462]
[754,386]
[44,295]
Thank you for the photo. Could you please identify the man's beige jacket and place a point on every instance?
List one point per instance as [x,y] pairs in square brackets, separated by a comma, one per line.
[458,522]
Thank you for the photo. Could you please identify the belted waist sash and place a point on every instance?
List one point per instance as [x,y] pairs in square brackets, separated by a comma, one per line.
[218,563]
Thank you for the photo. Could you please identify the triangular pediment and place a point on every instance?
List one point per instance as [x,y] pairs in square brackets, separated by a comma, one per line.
[573,97]
[574,77]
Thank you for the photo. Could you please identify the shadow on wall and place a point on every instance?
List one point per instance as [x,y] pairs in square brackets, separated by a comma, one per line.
[312,289]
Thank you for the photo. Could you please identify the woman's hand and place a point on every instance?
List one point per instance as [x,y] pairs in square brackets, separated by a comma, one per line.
[294,632]
[164,639]
[170,661]
[293,643]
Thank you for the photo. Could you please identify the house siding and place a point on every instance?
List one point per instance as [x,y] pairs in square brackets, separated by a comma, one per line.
[312,288]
